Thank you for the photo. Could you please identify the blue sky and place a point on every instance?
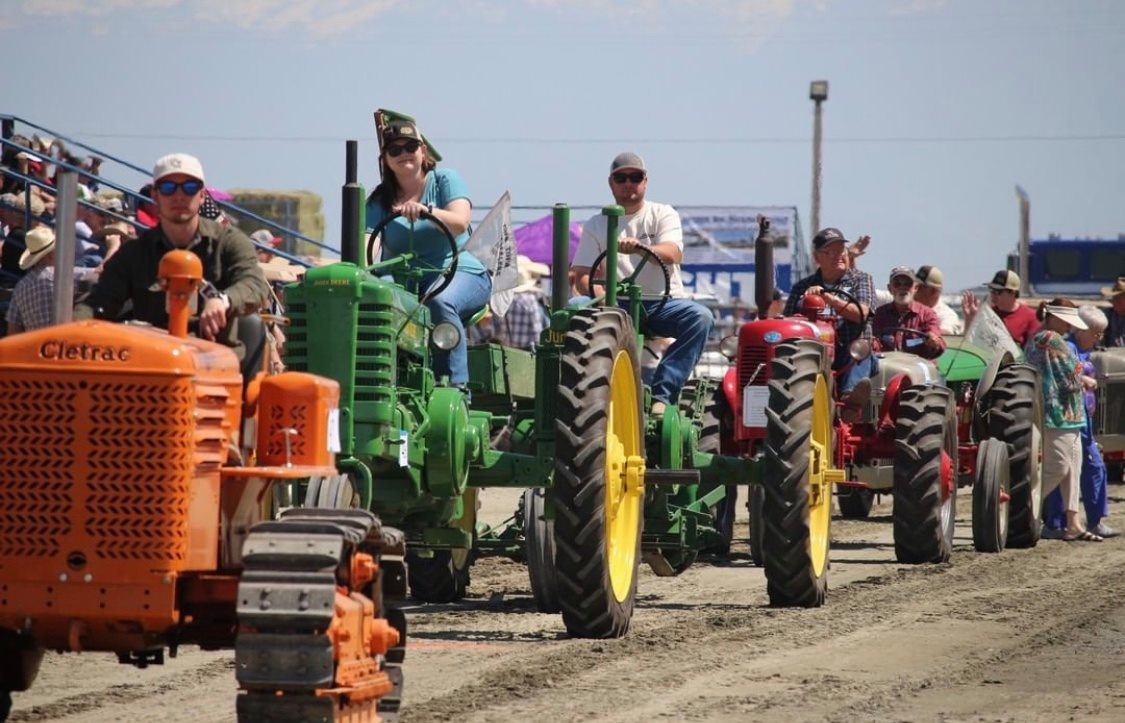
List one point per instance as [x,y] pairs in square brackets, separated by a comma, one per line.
[937,108]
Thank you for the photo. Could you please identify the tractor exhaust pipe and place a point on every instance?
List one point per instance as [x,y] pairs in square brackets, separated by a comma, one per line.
[351,229]
[763,267]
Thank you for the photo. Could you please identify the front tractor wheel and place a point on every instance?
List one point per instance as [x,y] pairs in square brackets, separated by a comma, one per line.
[797,504]
[1014,418]
[925,490]
[599,475]
[990,497]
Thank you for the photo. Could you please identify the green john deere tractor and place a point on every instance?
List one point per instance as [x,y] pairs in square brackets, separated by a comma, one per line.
[606,485]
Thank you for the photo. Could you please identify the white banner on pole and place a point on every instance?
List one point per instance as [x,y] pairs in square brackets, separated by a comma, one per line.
[494,246]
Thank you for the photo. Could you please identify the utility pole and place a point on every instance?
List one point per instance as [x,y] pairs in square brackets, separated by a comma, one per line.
[1025,240]
[818,93]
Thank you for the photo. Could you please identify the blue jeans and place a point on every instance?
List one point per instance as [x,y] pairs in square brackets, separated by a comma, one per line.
[1095,495]
[689,324]
[853,370]
[464,296]
[684,320]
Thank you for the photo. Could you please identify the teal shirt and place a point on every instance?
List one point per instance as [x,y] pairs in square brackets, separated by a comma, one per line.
[1060,374]
[443,185]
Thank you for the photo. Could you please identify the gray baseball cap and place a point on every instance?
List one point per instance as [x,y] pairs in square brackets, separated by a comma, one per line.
[627,160]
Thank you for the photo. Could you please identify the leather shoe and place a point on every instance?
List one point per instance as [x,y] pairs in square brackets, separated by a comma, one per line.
[855,401]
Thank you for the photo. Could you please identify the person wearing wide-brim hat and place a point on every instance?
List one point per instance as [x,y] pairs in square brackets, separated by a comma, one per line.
[1064,408]
[33,298]
[1115,331]
[526,318]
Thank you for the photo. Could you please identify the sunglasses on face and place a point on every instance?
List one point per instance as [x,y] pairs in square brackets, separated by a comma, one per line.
[190,187]
[997,292]
[902,283]
[635,177]
[399,148]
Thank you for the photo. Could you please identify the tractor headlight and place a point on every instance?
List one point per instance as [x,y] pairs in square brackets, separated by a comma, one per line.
[860,349]
[729,346]
[445,336]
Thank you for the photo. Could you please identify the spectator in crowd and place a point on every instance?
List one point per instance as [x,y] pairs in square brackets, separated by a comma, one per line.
[905,324]
[1115,329]
[33,298]
[1064,408]
[1004,294]
[236,284]
[264,239]
[14,241]
[853,322]
[145,211]
[526,317]
[655,227]
[1095,498]
[412,184]
[928,293]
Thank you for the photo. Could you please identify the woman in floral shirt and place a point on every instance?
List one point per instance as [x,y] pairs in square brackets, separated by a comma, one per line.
[1064,408]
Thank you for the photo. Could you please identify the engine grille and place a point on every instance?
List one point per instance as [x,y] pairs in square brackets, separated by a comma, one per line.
[106,460]
[748,363]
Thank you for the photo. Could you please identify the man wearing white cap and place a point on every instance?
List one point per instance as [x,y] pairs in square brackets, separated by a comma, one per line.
[237,286]
[33,297]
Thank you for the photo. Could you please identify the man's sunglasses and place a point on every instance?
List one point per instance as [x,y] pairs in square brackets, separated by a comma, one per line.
[635,177]
[399,148]
[190,187]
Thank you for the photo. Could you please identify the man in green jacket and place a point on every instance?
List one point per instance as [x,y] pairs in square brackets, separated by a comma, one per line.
[237,286]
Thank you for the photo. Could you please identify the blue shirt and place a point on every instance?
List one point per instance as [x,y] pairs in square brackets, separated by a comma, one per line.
[443,185]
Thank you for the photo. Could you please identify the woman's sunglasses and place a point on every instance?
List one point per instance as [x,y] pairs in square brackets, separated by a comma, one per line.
[167,188]
[636,177]
[399,148]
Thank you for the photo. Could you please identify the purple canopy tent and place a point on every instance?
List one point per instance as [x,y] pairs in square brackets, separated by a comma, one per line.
[534,239]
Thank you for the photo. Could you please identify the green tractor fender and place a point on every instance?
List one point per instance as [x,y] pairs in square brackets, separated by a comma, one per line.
[451,443]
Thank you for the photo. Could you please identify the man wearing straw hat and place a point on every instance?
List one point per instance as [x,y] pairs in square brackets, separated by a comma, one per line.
[525,319]
[1115,331]
[33,297]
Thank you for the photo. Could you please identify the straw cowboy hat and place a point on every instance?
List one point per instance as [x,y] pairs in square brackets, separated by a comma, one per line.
[40,241]
[1067,314]
[278,269]
[118,228]
[1111,291]
[529,274]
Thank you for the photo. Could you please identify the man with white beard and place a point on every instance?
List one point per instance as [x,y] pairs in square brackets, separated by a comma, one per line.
[905,324]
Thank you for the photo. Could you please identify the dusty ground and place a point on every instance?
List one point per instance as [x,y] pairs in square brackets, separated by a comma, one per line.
[1025,635]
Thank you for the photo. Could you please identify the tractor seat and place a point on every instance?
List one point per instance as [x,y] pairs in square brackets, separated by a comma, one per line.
[476,317]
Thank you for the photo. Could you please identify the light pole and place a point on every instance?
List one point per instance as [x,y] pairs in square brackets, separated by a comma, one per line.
[818,93]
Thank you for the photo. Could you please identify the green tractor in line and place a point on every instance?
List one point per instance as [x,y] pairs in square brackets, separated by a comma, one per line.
[606,484]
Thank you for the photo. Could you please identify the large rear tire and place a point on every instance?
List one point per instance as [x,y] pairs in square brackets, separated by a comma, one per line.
[539,546]
[1014,418]
[990,501]
[797,508]
[599,474]
[925,453]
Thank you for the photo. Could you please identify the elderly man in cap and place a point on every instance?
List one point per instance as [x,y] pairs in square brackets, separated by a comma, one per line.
[852,322]
[1004,293]
[905,324]
[655,226]
[33,298]
[236,285]
[1115,330]
[928,293]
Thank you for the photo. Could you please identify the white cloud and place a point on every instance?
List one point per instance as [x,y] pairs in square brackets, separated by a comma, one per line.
[90,7]
[321,18]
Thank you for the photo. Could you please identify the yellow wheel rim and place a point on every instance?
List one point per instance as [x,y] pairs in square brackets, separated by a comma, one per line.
[820,477]
[624,476]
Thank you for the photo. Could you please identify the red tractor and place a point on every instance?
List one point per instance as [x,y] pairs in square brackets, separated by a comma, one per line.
[136,468]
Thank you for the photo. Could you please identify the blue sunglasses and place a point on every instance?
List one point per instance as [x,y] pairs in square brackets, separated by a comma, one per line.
[190,187]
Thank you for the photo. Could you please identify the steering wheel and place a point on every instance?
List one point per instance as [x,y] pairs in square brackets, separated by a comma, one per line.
[446,273]
[852,301]
[648,253]
[916,332]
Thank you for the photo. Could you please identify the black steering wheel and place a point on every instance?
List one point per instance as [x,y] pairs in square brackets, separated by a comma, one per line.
[852,301]
[446,273]
[916,332]
[647,253]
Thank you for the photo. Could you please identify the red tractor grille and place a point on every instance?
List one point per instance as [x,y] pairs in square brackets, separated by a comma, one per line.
[753,364]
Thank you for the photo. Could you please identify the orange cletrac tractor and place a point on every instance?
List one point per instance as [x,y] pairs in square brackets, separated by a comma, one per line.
[136,471]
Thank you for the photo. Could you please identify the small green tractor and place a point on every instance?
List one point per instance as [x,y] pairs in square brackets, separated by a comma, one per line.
[606,484]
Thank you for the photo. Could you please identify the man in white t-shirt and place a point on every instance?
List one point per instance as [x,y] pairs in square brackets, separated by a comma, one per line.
[657,227]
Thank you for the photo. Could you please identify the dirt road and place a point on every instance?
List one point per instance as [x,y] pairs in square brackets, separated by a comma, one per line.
[1024,635]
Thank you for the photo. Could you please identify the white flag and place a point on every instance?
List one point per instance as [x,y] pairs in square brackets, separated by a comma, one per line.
[988,332]
[494,245]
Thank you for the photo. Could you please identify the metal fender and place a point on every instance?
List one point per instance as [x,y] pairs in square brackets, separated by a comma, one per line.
[730,387]
[888,409]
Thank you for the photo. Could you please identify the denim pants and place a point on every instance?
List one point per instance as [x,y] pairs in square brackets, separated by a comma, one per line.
[689,324]
[1095,496]
[853,370]
[464,296]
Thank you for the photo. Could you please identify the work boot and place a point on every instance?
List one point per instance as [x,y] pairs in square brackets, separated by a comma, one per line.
[855,401]
[658,408]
